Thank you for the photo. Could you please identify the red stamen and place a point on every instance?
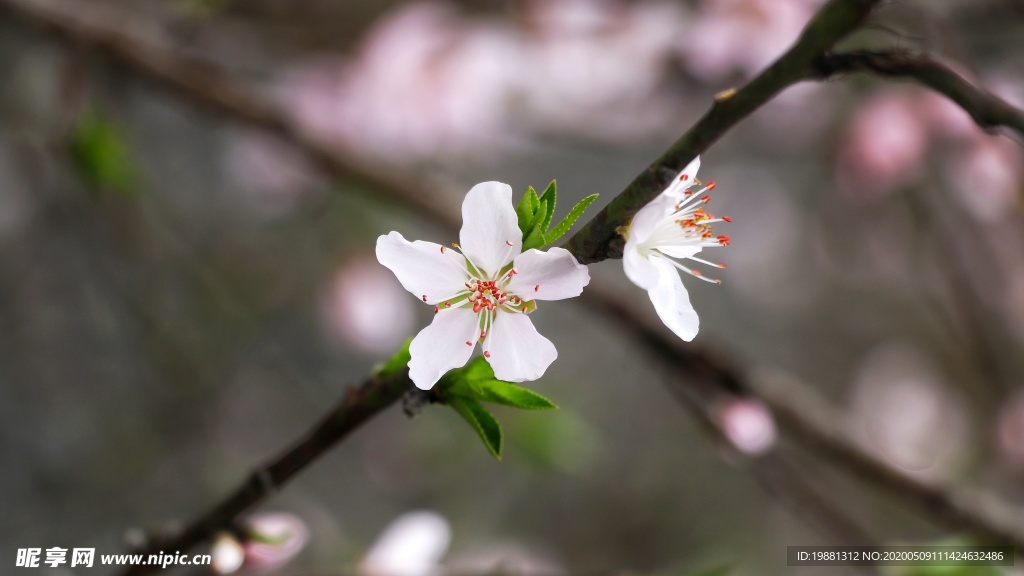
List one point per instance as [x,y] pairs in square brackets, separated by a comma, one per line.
[436,309]
[711,185]
[483,334]
[706,199]
[684,177]
[468,343]
[727,219]
[723,240]
[508,242]
[536,288]
[424,297]
[443,249]
[487,354]
[477,306]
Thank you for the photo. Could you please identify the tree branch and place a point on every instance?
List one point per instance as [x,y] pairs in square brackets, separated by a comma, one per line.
[356,407]
[816,426]
[988,110]
[599,240]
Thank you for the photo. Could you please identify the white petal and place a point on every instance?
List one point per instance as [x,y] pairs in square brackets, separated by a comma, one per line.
[488,222]
[640,270]
[679,185]
[442,346]
[551,275]
[648,217]
[423,268]
[517,351]
[680,251]
[672,303]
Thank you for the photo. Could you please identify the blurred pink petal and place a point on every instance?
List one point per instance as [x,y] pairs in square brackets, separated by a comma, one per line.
[367,307]
[885,146]
[748,425]
[429,82]
[906,413]
[279,537]
[988,176]
[742,36]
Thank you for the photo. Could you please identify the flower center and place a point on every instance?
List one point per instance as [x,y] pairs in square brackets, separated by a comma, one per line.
[684,231]
[487,294]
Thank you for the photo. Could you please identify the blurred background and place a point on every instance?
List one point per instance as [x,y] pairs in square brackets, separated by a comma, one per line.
[183,294]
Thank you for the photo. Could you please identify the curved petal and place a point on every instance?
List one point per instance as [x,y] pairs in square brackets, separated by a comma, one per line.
[680,251]
[488,222]
[551,275]
[672,303]
[639,269]
[432,273]
[443,345]
[647,219]
[678,186]
[515,349]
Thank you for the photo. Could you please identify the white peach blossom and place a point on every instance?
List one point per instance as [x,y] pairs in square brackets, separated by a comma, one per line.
[484,293]
[672,227]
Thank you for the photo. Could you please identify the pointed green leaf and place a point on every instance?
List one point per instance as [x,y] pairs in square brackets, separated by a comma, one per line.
[397,362]
[501,392]
[527,207]
[562,227]
[485,424]
[550,195]
[535,238]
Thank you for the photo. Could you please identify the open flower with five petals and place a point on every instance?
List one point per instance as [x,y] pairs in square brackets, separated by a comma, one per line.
[671,228]
[483,293]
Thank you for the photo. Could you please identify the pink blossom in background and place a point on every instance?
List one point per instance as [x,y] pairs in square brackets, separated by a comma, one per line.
[748,425]
[906,414]
[367,308]
[429,82]
[278,538]
[596,68]
[987,175]
[741,37]
[885,146]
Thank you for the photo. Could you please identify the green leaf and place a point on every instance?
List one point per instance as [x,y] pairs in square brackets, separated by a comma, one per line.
[397,362]
[562,227]
[102,156]
[535,239]
[485,424]
[550,195]
[501,392]
[527,207]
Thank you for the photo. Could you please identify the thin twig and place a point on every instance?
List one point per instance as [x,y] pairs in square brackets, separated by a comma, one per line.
[358,405]
[598,240]
[988,110]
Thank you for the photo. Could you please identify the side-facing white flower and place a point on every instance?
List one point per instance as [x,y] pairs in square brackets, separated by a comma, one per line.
[672,227]
[484,293]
